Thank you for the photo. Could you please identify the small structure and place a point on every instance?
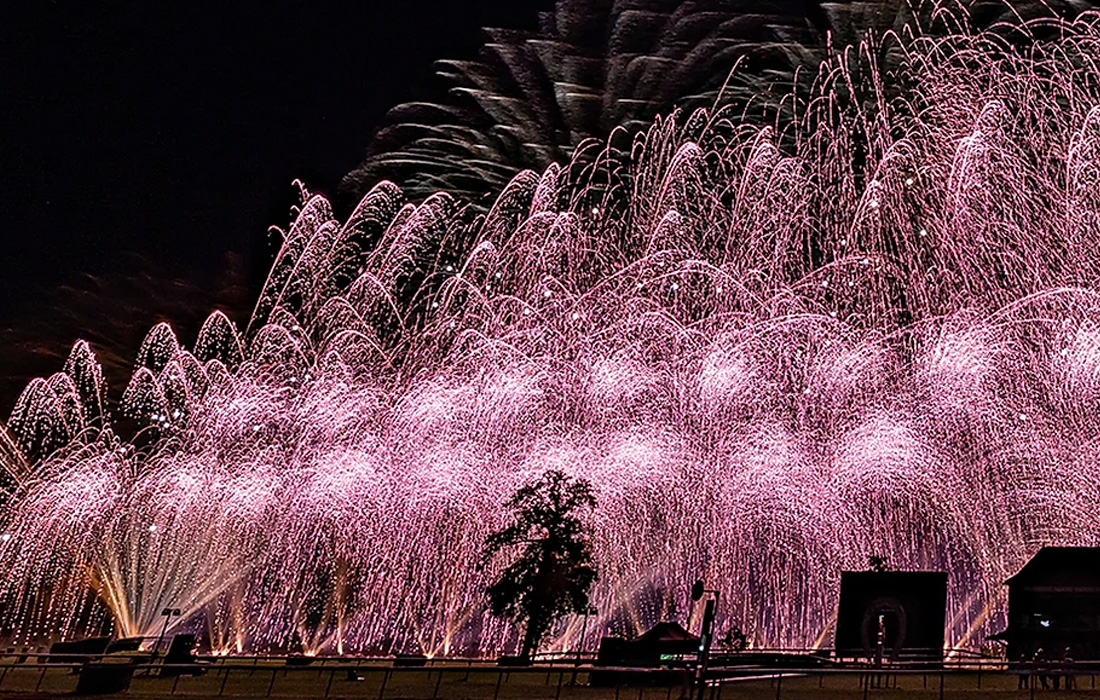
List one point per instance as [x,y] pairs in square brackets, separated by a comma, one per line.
[1054,605]
[664,642]
[180,659]
[81,650]
[661,649]
[78,651]
[892,615]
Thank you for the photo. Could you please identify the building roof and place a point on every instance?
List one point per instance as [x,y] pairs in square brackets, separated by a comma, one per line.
[1066,566]
[894,577]
[667,632]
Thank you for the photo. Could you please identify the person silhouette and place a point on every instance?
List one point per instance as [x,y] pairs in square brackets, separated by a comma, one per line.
[1040,664]
[1067,669]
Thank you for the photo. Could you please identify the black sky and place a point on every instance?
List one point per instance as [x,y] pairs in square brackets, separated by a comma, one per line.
[173,133]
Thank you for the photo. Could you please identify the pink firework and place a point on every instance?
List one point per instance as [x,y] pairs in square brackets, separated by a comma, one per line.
[774,355]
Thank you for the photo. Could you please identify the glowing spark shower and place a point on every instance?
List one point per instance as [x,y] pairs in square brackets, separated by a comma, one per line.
[771,363]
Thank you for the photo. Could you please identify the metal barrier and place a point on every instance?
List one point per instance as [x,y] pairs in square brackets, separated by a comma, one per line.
[470,680]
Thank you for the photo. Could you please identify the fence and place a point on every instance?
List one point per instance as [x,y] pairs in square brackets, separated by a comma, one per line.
[476,680]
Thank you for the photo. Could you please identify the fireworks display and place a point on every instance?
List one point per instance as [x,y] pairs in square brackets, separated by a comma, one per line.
[774,355]
[597,71]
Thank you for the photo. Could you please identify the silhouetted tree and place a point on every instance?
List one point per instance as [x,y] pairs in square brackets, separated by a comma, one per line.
[878,563]
[735,639]
[553,572]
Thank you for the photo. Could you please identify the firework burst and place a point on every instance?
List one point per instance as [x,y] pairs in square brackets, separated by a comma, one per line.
[771,362]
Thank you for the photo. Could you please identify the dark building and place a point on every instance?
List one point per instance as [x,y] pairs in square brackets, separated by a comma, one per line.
[664,642]
[1054,604]
[662,649]
[910,606]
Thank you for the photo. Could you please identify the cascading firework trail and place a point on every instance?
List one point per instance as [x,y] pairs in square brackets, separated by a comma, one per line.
[770,363]
[597,71]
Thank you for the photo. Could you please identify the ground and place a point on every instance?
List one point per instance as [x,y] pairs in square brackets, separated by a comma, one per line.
[454,682]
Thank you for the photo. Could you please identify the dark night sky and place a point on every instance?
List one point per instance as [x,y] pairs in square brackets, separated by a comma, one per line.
[174,134]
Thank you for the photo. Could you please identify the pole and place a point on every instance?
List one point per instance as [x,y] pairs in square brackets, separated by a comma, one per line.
[584,628]
[168,613]
[704,647]
[163,631]
[385,679]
